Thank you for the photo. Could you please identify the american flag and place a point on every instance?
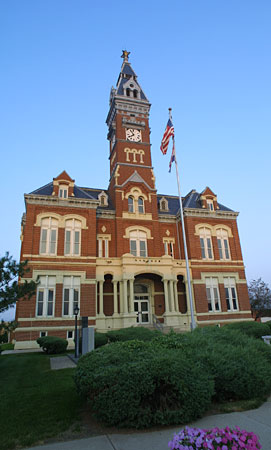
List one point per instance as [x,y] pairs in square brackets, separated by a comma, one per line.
[173,157]
[169,131]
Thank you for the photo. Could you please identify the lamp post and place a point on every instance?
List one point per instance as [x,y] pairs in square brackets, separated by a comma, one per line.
[76,312]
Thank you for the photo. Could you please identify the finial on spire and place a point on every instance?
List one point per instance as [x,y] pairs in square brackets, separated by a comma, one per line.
[125,55]
[169,111]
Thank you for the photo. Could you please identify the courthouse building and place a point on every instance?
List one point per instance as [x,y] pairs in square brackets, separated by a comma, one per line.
[118,252]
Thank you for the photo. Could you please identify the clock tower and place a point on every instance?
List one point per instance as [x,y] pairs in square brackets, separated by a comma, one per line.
[129,139]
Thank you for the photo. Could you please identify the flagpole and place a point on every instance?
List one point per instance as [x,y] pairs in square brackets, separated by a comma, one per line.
[193,323]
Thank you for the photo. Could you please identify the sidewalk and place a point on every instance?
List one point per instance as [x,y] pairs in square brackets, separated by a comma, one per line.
[256,420]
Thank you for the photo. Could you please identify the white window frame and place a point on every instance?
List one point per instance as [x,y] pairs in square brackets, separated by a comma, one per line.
[103,247]
[210,205]
[223,244]
[131,204]
[212,294]
[45,333]
[70,331]
[140,206]
[231,294]
[73,228]
[206,244]
[46,285]
[169,247]
[63,191]
[138,237]
[49,229]
[70,284]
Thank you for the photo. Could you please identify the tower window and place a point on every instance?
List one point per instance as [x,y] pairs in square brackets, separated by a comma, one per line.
[140,205]
[135,93]
[131,204]
[128,92]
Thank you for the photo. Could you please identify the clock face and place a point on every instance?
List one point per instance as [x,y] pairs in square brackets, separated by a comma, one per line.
[133,135]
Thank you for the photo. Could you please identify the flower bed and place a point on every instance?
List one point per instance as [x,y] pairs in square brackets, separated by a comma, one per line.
[214,439]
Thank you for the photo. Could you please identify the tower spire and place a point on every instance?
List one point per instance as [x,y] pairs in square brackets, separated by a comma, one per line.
[125,55]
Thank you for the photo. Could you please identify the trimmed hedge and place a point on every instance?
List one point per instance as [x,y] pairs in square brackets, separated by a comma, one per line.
[132,333]
[52,344]
[100,339]
[130,384]
[252,329]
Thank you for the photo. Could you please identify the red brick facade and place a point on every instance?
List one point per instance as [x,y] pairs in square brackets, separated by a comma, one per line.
[119,252]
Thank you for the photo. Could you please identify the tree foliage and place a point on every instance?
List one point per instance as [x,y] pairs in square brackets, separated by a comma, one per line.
[12,288]
[259,297]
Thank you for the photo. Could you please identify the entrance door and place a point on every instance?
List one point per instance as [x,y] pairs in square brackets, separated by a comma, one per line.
[142,308]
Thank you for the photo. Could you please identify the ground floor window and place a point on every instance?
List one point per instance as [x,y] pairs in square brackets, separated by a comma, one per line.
[46,296]
[231,294]
[212,292]
[71,294]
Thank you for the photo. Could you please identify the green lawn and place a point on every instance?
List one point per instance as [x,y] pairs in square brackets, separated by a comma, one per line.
[36,402]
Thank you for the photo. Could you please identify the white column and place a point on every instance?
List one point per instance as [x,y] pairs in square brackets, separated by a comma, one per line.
[125,300]
[166,295]
[176,296]
[132,306]
[121,296]
[101,292]
[115,285]
[172,305]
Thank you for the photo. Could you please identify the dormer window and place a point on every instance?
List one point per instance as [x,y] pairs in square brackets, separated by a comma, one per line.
[210,205]
[163,204]
[103,198]
[63,191]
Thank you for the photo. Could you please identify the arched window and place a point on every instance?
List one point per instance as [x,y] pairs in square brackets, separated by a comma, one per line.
[72,237]
[48,236]
[163,204]
[138,243]
[128,92]
[131,207]
[135,93]
[223,244]
[206,243]
[140,205]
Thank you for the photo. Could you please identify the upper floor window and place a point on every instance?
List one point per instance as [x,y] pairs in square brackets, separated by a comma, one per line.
[223,244]
[48,236]
[71,295]
[231,294]
[46,296]
[103,247]
[206,243]
[138,243]
[168,245]
[212,293]
[140,205]
[63,191]
[103,198]
[72,237]
[131,206]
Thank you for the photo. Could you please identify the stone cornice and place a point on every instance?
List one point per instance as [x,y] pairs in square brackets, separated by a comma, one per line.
[210,214]
[56,201]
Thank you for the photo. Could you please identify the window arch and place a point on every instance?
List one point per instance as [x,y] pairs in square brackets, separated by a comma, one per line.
[48,236]
[163,204]
[72,237]
[138,243]
[131,204]
[205,236]
[223,244]
[140,204]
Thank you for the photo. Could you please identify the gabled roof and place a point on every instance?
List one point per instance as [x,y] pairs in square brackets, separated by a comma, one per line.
[63,176]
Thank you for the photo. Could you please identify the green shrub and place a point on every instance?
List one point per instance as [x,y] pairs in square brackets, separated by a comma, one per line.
[100,339]
[135,384]
[52,344]
[238,363]
[131,333]
[252,329]
[269,325]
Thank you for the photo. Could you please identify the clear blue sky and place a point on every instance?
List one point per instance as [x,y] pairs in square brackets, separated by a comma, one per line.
[208,60]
